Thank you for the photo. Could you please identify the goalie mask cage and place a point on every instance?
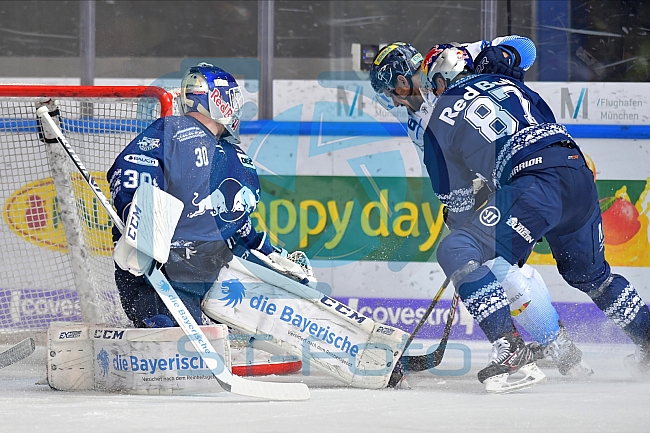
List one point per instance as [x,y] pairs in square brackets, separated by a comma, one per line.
[55,259]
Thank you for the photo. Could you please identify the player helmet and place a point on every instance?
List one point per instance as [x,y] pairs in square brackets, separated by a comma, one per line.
[398,58]
[448,60]
[213,92]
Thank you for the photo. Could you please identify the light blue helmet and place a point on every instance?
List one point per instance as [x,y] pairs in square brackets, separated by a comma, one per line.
[213,92]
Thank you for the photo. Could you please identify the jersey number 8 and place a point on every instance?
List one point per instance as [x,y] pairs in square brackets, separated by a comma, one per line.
[491,119]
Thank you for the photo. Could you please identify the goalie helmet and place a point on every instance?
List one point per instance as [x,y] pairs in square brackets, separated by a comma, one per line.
[213,92]
[398,58]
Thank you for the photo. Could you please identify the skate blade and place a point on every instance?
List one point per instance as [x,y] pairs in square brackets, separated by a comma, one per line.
[499,384]
[580,371]
[632,366]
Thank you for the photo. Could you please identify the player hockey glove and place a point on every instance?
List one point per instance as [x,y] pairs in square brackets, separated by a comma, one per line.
[499,59]
[482,192]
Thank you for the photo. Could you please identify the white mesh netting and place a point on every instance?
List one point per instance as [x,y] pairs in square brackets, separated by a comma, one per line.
[39,278]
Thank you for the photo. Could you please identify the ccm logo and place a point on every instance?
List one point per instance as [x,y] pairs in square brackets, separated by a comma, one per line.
[108,334]
[132,229]
[70,334]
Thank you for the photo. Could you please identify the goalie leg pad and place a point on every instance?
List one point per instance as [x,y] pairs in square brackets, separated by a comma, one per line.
[322,332]
[157,361]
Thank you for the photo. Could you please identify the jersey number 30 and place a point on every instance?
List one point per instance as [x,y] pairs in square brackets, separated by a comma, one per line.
[133,178]
[202,159]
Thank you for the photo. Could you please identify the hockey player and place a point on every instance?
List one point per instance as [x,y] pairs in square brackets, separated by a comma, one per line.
[195,158]
[218,264]
[498,128]
[528,295]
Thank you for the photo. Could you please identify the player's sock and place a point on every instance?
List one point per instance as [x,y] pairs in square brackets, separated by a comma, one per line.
[622,304]
[509,356]
[486,302]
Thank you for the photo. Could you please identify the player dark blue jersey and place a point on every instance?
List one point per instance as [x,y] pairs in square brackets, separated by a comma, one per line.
[484,125]
[216,181]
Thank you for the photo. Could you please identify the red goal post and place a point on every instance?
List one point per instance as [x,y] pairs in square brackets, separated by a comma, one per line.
[55,258]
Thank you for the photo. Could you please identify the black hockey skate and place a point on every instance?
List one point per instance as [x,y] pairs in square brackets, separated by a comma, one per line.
[510,355]
[538,351]
[563,354]
[567,356]
[638,364]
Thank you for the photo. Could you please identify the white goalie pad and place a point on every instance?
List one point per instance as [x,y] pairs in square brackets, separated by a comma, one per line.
[152,220]
[130,259]
[157,361]
[321,331]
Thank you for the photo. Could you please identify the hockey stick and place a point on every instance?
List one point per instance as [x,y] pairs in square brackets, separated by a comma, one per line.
[433,359]
[157,280]
[17,352]
[426,314]
[405,360]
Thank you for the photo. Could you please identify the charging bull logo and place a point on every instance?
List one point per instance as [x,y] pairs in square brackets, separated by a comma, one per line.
[234,292]
[230,201]
[215,203]
[245,201]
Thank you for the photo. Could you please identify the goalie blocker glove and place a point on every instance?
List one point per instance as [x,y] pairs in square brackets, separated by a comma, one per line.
[500,59]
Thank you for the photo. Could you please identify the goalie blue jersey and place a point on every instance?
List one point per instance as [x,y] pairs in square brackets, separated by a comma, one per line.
[215,179]
[484,125]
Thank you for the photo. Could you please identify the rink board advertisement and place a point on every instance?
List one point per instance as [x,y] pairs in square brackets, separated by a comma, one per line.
[584,321]
[360,204]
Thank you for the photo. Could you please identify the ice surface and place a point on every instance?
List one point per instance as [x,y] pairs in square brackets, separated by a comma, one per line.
[609,402]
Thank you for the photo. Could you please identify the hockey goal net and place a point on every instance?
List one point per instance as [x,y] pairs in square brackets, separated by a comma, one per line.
[55,259]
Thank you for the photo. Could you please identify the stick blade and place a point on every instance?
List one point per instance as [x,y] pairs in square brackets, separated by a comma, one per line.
[17,352]
[269,390]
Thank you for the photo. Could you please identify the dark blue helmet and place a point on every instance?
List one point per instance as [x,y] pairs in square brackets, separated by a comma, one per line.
[214,93]
[398,58]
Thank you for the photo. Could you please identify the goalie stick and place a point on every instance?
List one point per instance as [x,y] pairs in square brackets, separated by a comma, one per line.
[155,277]
[17,352]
